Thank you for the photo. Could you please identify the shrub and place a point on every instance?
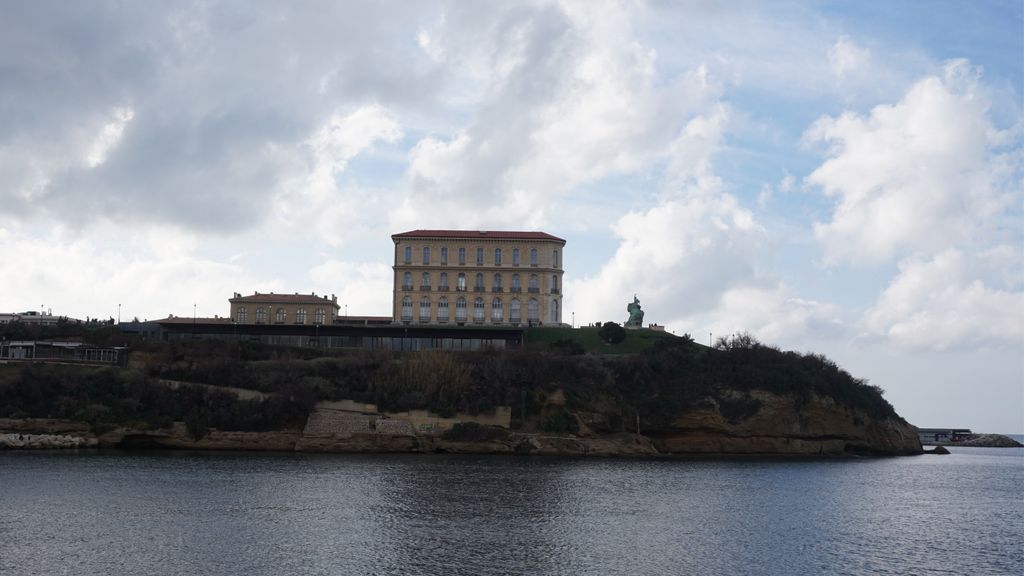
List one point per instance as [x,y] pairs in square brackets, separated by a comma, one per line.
[611,333]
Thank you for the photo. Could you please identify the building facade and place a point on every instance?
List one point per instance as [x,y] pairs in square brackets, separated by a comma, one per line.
[468,277]
[273,308]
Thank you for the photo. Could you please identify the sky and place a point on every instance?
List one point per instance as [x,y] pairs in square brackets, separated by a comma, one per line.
[836,177]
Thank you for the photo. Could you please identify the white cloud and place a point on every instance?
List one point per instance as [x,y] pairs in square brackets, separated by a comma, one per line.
[924,174]
[364,288]
[109,136]
[847,58]
[952,300]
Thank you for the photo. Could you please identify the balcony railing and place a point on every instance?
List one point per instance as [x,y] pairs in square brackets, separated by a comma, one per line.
[555,291]
[442,288]
[424,288]
[478,288]
[497,289]
[460,288]
[407,287]
[515,289]
[533,290]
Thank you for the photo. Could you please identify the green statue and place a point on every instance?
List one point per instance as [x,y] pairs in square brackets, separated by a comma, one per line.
[636,315]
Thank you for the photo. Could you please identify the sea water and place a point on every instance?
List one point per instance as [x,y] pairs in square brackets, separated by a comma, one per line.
[119,513]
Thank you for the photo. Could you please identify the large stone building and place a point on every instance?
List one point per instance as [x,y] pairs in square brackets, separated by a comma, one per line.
[467,277]
[284,309]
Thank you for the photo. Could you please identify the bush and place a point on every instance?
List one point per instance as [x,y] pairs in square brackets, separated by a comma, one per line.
[567,346]
[611,333]
[474,432]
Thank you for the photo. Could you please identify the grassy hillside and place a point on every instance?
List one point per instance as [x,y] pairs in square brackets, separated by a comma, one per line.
[661,377]
[546,339]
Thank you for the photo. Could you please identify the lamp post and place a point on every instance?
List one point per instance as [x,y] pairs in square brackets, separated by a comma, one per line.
[119,314]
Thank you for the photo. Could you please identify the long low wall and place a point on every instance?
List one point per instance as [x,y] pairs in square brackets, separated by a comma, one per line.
[346,417]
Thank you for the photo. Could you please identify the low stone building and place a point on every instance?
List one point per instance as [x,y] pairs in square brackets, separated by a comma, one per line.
[294,308]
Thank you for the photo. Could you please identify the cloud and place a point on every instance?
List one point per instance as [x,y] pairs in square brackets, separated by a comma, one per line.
[847,58]
[927,173]
[364,287]
[953,300]
[568,96]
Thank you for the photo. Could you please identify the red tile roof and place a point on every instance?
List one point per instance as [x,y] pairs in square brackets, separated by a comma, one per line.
[478,234]
[284,299]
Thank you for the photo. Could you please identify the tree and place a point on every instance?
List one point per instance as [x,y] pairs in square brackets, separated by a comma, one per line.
[611,333]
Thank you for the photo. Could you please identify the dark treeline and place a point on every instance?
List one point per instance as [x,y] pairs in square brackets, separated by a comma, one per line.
[655,385]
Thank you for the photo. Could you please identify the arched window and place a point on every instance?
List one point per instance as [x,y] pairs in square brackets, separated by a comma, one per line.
[533,256]
[515,283]
[533,310]
[555,316]
[460,309]
[554,283]
[426,254]
[513,312]
[479,285]
[497,256]
[424,309]
[442,309]
[497,283]
[478,310]
[479,256]
[533,284]
[300,316]
[496,311]
[261,315]
[280,315]
[319,316]
[462,255]
[407,308]
[554,258]
[443,282]
[462,282]
[407,281]
[515,256]
[444,254]
[408,254]
[425,281]
[242,316]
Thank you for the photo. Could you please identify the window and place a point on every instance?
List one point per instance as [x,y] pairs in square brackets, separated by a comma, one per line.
[280,315]
[261,315]
[554,258]
[425,281]
[515,283]
[533,284]
[444,254]
[300,316]
[515,256]
[555,318]
[426,254]
[497,256]
[460,309]
[479,256]
[443,282]
[407,281]
[424,309]
[462,255]
[497,283]
[242,316]
[533,256]
[554,283]
[408,254]
[462,283]
[513,312]
[533,310]
[407,308]
[478,310]
[478,286]
[319,316]
[442,309]
[496,312]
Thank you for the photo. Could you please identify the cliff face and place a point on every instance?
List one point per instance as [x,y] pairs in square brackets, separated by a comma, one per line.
[784,425]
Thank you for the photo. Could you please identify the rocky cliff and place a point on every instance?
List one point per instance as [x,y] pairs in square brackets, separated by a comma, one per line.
[780,425]
[786,425]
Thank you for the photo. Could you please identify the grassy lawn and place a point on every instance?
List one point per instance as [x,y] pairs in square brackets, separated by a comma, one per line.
[636,340]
